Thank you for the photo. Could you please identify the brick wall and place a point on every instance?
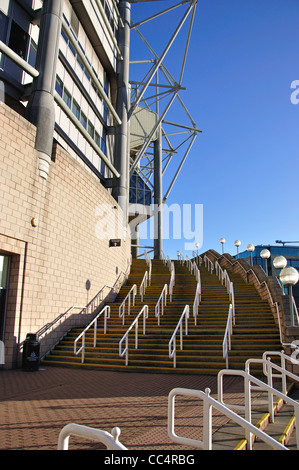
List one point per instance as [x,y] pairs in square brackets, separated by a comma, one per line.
[53,263]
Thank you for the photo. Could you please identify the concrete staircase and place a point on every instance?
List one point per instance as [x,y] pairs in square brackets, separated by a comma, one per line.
[255,330]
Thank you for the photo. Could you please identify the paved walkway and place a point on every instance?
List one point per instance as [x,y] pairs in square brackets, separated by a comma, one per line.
[34,407]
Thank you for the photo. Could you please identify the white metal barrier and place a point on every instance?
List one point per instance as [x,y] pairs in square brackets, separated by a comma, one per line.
[106,312]
[284,374]
[109,440]
[247,407]
[149,263]
[226,345]
[159,308]
[143,285]
[268,368]
[208,264]
[209,403]
[131,295]
[172,342]
[125,352]
[172,280]
[197,300]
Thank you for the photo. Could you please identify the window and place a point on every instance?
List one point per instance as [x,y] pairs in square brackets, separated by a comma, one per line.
[3,26]
[97,139]
[64,35]
[59,85]
[18,40]
[67,97]
[83,120]
[32,53]
[90,129]
[76,109]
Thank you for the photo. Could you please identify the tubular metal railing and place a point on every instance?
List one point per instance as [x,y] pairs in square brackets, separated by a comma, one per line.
[247,407]
[125,352]
[284,374]
[127,300]
[172,280]
[197,300]
[226,344]
[106,312]
[109,440]
[149,263]
[159,308]
[208,264]
[143,285]
[208,405]
[172,342]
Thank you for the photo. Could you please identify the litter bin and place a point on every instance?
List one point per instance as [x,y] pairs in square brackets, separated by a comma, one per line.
[31,353]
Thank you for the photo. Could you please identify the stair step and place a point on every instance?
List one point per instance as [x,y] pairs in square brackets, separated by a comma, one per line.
[254,331]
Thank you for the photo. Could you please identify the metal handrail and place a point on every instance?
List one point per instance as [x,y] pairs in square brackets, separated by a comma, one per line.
[268,367]
[285,373]
[49,326]
[172,342]
[209,403]
[144,312]
[209,264]
[172,280]
[18,60]
[159,308]
[197,300]
[248,379]
[92,304]
[226,344]
[109,440]
[121,310]
[106,311]
[143,285]
[149,263]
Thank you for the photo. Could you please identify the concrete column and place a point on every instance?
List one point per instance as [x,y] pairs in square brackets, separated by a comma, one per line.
[121,184]
[41,108]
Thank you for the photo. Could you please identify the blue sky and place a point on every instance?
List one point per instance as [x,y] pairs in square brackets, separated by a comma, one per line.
[243,167]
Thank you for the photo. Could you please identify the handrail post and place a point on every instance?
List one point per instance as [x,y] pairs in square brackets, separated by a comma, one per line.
[247,391]
[207,420]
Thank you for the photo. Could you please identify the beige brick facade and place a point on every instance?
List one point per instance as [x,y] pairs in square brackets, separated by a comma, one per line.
[52,262]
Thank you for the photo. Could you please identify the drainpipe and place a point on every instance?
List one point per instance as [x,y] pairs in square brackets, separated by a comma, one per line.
[120,189]
[41,107]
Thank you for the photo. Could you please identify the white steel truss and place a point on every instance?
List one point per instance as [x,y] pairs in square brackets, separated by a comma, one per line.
[159,91]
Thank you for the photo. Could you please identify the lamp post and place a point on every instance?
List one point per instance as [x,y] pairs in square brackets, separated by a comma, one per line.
[237,244]
[289,277]
[265,254]
[251,249]
[197,246]
[279,263]
[222,241]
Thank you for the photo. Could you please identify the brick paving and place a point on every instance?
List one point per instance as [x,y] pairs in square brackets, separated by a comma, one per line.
[34,407]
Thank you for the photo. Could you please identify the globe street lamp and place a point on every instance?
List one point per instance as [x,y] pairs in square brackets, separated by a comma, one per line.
[289,277]
[250,248]
[237,244]
[222,241]
[265,254]
[197,246]
[279,263]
